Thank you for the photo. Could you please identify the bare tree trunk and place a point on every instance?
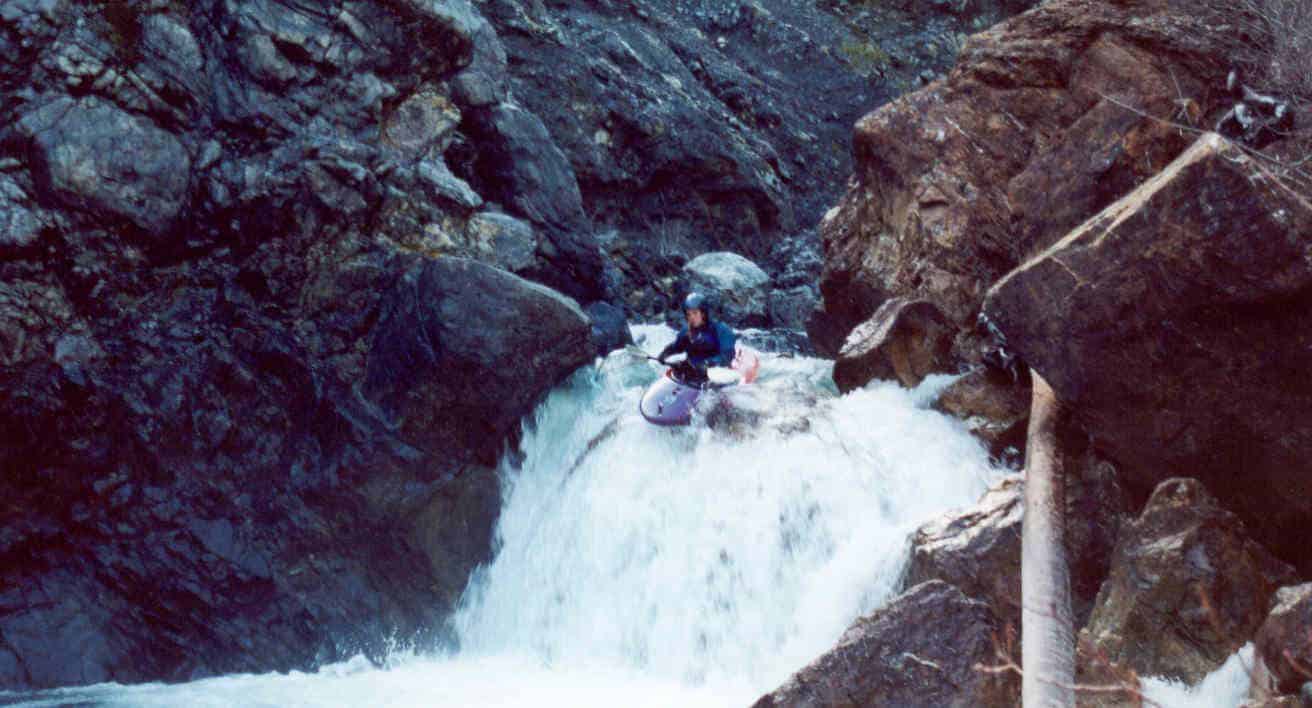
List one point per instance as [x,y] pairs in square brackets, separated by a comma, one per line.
[1047,633]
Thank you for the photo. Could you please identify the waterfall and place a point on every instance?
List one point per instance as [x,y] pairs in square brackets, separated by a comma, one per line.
[640,565]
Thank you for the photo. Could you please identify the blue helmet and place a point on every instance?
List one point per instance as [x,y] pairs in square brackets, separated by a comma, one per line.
[695,301]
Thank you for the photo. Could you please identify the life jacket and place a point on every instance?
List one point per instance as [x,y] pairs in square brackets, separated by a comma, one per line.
[711,344]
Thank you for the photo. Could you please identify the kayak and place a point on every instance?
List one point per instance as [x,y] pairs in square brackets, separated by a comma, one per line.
[671,398]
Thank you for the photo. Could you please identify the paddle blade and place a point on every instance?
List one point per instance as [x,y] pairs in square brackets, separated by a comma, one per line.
[722,375]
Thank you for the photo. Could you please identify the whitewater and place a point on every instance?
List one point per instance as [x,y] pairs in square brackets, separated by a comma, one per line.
[643,566]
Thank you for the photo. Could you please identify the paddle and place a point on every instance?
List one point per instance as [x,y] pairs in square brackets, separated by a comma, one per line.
[635,350]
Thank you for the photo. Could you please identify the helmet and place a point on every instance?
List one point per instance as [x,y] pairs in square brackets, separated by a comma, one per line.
[695,301]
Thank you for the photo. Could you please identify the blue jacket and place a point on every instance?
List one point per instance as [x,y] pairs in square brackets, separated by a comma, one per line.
[711,345]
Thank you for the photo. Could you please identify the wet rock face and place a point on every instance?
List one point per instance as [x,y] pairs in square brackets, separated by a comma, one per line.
[994,407]
[1187,587]
[1145,321]
[920,649]
[1285,639]
[979,549]
[958,183]
[906,340]
[224,334]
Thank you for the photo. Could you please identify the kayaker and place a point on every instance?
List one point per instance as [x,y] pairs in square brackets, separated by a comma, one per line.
[707,342]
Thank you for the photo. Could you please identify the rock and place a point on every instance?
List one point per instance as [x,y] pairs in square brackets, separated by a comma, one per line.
[959,182]
[791,308]
[462,350]
[421,123]
[502,240]
[19,226]
[994,408]
[686,118]
[978,549]
[195,484]
[528,171]
[920,649]
[437,177]
[906,340]
[738,289]
[1284,641]
[610,328]
[1144,321]
[484,81]
[94,157]
[1187,587]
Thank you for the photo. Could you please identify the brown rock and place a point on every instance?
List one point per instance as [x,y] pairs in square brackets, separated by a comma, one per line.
[979,549]
[920,650]
[994,407]
[1038,127]
[1187,587]
[1178,325]
[904,339]
[1285,639]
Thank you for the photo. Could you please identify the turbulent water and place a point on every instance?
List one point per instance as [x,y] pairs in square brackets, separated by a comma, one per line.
[638,565]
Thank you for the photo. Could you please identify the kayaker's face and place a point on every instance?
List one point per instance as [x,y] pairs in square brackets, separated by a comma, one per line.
[696,318]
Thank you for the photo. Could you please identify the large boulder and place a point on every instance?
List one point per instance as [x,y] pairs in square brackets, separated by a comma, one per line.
[1284,642]
[905,340]
[1187,587]
[1145,320]
[462,350]
[610,328]
[976,550]
[1046,118]
[527,170]
[979,549]
[923,648]
[738,289]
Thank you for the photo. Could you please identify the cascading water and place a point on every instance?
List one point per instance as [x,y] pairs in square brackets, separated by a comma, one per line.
[646,566]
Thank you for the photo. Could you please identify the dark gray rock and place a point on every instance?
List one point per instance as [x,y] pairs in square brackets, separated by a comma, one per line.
[203,487]
[485,81]
[792,308]
[739,291]
[19,224]
[923,648]
[94,157]
[527,171]
[610,328]
[462,350]
[445,186]
[712,126]
[503,240]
